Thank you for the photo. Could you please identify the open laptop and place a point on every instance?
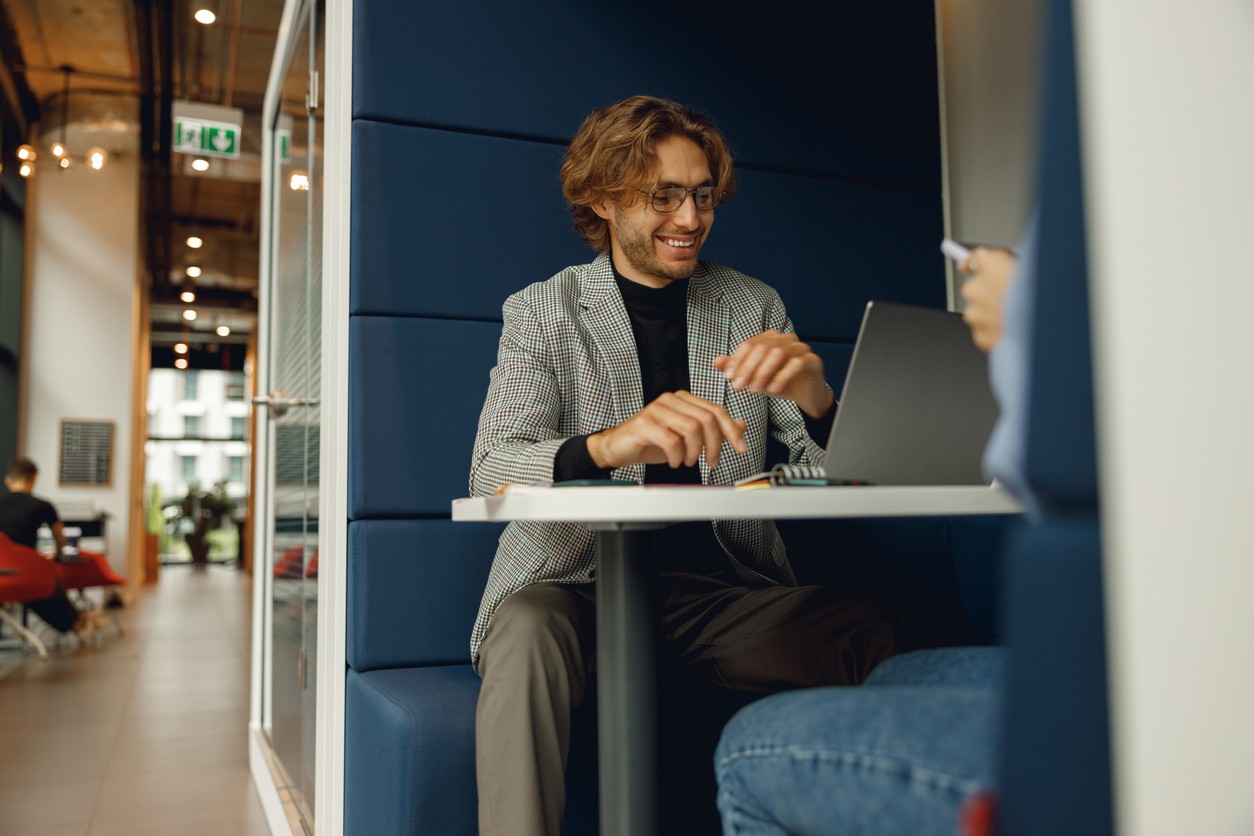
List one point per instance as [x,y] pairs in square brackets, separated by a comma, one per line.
[916,408]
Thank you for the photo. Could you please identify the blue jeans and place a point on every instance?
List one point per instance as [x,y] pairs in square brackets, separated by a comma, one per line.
[898,755]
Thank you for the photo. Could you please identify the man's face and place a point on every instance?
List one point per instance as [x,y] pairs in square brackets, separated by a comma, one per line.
[653,248]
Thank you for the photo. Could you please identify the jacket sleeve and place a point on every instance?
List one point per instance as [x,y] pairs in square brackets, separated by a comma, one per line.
[788,425]
[518,428]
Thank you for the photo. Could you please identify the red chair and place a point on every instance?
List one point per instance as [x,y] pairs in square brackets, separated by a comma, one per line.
[87,570]
[24,576]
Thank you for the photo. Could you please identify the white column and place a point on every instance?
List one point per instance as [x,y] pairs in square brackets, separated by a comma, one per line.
[1168,128]
[83,262]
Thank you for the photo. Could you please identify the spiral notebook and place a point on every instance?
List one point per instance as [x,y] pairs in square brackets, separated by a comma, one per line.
[916,408]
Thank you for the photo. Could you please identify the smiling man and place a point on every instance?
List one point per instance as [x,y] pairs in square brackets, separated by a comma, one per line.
[651,365]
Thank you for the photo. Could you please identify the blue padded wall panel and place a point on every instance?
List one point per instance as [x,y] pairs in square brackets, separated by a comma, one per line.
[829,247]
[1056,769]
[417,230]
[462,222]
[820,90]
[1061,454]
[415,390]
[836,358]
[413,590]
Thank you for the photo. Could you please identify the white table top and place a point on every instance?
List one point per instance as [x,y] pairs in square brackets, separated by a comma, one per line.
[660,503]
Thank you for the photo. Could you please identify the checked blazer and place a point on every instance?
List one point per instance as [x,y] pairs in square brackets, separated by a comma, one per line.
[567,366]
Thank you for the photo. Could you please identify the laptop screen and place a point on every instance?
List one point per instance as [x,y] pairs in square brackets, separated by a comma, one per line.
[916,408]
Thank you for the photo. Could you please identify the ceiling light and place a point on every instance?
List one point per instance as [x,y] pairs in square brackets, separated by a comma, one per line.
[25,169]
[193,271]
[26,152]
[188,296]
[223,331]
[189,314]
[200,164]
[205,16]
[195,242]
[96,158]
[65,162]
[57,149]
[299,181]
[180,348]
[180,363]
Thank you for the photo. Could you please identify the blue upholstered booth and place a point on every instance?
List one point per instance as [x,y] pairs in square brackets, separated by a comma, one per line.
[460,116]
[1055,771]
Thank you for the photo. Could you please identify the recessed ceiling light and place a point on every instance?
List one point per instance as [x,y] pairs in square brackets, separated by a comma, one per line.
[195,242]
[200,164]
[205,16]
[188,296]
[223,331]
[189,314]
[193,271]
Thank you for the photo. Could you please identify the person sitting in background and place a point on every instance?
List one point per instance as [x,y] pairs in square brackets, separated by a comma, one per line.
[21,515]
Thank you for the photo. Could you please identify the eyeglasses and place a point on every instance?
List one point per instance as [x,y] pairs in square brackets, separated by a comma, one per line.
[667,200]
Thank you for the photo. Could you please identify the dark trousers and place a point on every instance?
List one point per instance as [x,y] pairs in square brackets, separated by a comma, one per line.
[538,653]
[56,609]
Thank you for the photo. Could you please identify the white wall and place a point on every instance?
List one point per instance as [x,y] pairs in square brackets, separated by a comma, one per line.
[83,256]
[1168,129]
[989,53]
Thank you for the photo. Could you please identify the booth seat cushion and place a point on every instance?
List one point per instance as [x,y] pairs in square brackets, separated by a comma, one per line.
[410,755]
[413,590]
[410,751]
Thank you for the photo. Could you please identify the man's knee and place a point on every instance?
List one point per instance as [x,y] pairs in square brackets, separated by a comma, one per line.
[542,624]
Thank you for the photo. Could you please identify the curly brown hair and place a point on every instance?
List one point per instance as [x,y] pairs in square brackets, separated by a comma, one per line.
[614,152]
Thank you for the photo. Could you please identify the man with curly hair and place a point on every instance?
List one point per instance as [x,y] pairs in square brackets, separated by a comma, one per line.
[651,365]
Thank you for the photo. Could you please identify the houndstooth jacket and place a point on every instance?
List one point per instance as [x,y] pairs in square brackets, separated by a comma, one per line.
[567,365]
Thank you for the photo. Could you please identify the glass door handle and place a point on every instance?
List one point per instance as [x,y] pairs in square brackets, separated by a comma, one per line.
[278,403]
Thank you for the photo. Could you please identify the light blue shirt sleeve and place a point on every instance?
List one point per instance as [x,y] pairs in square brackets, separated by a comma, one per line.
[1005,457]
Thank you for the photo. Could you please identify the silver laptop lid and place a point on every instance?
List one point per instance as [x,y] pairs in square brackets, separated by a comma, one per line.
[916,408]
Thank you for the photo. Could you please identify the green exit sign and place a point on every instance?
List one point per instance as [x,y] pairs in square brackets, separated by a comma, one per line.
[206,138]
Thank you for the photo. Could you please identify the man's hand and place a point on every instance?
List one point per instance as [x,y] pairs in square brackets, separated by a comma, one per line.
[674,429]
[781,366]
[991,271]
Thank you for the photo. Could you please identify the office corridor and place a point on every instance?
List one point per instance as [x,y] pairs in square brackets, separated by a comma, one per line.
[143,733]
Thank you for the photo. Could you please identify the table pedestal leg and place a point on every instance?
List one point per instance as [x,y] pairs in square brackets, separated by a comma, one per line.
[626,684]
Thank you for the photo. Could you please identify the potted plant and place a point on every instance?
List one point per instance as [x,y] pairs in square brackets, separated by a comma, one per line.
[204,510]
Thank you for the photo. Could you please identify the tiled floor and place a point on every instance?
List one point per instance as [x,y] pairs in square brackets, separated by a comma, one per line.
[143,733]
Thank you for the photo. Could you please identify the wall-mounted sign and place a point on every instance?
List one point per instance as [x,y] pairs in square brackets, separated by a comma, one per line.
[207,130]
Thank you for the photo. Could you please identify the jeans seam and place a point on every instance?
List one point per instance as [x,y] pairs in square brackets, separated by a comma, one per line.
[915,775]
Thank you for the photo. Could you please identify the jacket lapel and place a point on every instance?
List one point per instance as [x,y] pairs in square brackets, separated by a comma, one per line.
[605,321]
[709,332]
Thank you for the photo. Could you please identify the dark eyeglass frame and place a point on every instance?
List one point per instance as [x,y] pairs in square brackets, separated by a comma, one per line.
[666,196]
